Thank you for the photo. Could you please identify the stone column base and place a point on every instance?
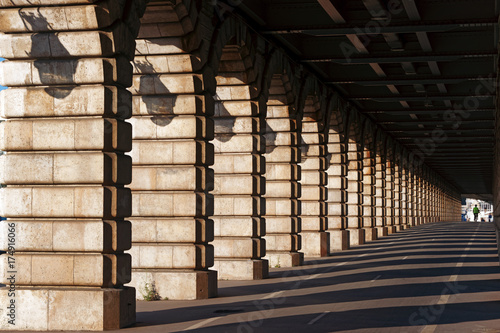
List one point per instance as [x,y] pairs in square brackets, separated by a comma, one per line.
[285,259]
[391,229]
[382,232]
[339,240]
[356,237]
[68,309]
[175,285]
[233,269]
[404,227]
[315,243]
[370,234]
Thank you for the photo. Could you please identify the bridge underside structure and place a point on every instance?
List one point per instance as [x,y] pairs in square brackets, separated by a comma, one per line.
[162,145]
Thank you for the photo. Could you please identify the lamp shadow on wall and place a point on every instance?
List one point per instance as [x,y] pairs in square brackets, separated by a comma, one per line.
[157,104]
[50,71]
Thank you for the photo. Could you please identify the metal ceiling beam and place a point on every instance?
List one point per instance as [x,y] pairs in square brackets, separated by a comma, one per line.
[388,59]
[332,11]
[438,122]
[421,112]
[414,98]
[415,80]
[411,10]
[397,29]
[450,139]
[337,17]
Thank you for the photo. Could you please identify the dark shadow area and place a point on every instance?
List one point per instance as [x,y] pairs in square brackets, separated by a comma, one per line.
[161,105]
[351,283]
[407,318]
[45,45]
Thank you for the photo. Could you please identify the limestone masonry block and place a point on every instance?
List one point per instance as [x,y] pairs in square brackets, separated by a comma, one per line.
[275,225]
[73,202]
[161,84]
[93,235]
[58,72]
[54,309]
[229,143]
[237,125]
[239,184]
[238,164]
[239,247]
[79,101]
[282,207]
[283,242]
[172,256]
[158,105]
[237,205]
[156,64]
[172,127]
[168,204]
[42,19]
[283,154]
[281,125]
[182,230]
[191,284]
[64,44]
[236,108]
[168,152]
[277,189]
[239,226]
[181,178]
[69,270]
[70,168]
[282,171]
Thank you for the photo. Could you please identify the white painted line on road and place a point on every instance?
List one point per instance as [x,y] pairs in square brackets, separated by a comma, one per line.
[443,300]
[376,278]
[318,317]
[312,277]
[273,295]
[201,323]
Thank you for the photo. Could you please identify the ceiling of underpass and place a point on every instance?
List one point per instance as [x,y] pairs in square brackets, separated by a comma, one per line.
[423,70]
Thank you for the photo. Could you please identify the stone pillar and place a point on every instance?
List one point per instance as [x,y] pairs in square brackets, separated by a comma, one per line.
[380,192]
[432,201]
[65,166]
[172,126]
[426,197]
[419,197]
[337,191]
[354,195]
[369,194]
[239,166]
[315,239]
[389,193]
[410,197]
[397,178]
[283,240]
[404,223]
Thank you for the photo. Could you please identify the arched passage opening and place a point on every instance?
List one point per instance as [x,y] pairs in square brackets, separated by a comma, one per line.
[239,166]
[172,127]
[337,173]
[283,225]
[315,239]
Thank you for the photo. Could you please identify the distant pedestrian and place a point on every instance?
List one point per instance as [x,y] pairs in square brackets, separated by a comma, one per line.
[475,211]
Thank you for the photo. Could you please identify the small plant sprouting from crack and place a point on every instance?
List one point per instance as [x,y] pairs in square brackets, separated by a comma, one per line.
[150,293]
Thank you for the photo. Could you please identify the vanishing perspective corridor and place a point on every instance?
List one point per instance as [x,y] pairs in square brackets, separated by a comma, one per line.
[441,277]
[249,165]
